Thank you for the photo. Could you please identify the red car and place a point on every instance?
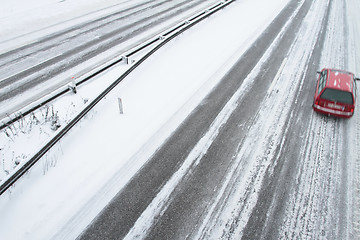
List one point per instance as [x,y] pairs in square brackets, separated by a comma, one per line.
[335,93]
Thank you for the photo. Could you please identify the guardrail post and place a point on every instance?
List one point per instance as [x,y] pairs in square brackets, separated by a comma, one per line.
[127,60]
[72,86]
[120,106]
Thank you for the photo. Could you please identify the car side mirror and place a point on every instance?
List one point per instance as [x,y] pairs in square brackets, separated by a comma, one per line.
[357,79]
[319,72]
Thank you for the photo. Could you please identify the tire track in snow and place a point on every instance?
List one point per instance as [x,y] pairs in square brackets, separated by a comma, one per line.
[318,207]
[260,46]
[311,208]
[353,24]
[355,166]
[257,152]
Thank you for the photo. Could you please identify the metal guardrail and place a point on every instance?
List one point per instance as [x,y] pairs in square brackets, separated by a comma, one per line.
[54,95]
[12,118]
[164,38]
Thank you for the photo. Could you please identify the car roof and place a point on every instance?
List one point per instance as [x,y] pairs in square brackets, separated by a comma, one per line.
[341,80]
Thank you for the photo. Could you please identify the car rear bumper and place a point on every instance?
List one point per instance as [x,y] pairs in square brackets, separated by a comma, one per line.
[332,112]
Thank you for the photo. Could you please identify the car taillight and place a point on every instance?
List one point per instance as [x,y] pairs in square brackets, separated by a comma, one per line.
[349,109]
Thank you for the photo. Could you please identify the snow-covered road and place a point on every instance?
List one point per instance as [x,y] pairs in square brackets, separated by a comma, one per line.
[266,167]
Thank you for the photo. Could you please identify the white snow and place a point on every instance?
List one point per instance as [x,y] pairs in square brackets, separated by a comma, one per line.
[72,183]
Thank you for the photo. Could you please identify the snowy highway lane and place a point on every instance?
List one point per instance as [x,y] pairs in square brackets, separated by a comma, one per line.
[254,162]
[250,159]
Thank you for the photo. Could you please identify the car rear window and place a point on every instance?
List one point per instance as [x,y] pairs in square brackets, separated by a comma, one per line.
[337,96]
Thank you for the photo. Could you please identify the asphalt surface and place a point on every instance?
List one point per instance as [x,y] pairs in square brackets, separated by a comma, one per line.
[270,168]
[252,160]
[198,203]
